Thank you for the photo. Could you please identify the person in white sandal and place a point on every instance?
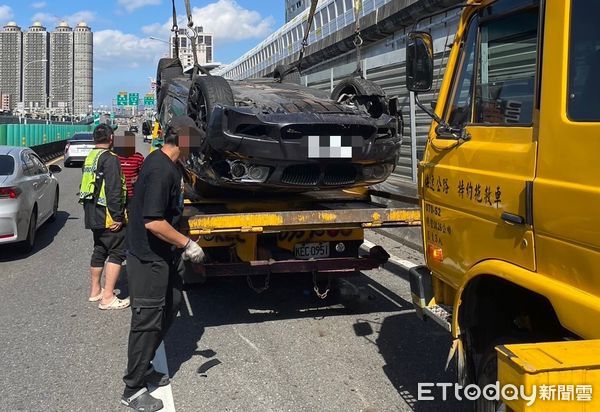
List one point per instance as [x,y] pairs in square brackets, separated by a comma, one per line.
[103,195]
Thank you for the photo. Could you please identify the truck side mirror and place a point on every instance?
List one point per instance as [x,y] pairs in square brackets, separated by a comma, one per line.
[419,62]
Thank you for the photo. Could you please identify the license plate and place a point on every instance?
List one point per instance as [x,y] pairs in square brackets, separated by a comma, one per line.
[311,250]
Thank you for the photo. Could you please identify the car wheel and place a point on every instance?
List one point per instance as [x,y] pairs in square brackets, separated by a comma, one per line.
[167,69]
[67,164]
[27,245]
[362,92]
[292,76]
[205,93]
[55,206]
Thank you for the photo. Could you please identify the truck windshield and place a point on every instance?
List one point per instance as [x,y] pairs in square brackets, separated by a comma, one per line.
[583,103]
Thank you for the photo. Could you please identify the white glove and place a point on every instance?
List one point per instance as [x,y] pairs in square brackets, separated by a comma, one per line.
[193,252]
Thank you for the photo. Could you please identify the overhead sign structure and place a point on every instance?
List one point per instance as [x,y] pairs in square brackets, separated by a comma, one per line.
[122,99]
[134,99]
[149,100]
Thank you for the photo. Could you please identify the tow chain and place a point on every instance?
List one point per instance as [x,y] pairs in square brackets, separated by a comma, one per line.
[316,286]
[358,40]
[266,286]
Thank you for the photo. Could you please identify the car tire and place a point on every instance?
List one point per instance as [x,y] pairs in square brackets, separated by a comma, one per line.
[367,94]
[67,164]
[292,76]
[26,246]
[54,214]
[168,69]
[205,93]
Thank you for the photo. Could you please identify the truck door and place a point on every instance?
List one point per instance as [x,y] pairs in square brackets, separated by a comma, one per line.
[567,189]
[476,190]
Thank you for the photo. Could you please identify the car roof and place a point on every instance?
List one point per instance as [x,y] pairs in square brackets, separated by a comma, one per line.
[12,150]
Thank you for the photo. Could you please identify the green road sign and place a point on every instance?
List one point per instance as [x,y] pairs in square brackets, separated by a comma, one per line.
[134,99]
[122,99]
[149,100]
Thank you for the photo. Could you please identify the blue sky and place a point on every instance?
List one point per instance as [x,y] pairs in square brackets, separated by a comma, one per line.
[124,56]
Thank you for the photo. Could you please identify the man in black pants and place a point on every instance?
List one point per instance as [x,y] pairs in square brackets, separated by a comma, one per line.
[154,285]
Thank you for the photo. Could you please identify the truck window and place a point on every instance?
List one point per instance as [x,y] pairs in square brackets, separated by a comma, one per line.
[498,55]
[583,104]
[460,110]
[506,69]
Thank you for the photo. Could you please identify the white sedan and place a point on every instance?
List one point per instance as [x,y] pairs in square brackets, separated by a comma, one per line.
[28,195]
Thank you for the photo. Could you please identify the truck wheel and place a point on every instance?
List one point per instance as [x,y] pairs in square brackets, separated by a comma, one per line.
[363,93]
[291,77]
[205,93]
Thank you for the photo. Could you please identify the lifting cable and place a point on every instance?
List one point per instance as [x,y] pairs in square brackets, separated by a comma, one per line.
[309,22]
[358,41]
[175,29]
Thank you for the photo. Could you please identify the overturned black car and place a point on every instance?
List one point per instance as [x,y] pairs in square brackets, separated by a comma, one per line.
[274,134]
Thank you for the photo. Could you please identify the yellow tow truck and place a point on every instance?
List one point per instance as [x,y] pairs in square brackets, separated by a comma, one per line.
[318,233]
[509,188]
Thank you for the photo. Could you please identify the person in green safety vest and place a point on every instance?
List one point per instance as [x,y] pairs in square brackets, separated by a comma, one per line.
[103,195]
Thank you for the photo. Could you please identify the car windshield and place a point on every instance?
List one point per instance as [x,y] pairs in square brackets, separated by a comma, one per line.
[82,136]
[7,165]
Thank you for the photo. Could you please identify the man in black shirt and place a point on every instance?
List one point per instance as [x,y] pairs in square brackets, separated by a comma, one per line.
[154,285]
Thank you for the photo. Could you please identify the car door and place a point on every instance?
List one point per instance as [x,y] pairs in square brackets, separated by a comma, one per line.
[31,188]
[38,175]
[478,188]
[48,189]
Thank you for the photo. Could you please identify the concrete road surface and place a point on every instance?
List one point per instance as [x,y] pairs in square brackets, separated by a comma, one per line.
[229,350]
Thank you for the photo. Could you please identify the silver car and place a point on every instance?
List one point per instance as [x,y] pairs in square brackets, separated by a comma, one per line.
[78,147]
[28,195]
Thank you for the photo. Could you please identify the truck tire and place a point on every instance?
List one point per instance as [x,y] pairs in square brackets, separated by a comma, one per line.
[167,69]
[291,77]
[205,93]
[366,93]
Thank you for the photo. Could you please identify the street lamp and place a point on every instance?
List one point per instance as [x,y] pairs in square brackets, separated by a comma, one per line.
[169,42]
[23,80]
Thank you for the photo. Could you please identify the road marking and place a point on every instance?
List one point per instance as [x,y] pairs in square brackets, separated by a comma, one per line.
[164,393]
[58,159]
[392,300]
[403,263]
[187,303]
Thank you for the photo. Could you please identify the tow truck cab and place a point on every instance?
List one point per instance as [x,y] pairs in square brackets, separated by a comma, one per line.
[509,181]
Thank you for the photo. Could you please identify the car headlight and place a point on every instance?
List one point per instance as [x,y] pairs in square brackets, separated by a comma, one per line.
[248,173]
[377,172]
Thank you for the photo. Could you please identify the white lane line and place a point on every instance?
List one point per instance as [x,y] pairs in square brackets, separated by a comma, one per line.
[392,300]
[187,303]
[164,393]
[403,263]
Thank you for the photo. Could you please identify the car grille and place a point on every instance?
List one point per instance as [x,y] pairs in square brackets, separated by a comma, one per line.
[296,131]
[301,175]
[310,175]
[339,175]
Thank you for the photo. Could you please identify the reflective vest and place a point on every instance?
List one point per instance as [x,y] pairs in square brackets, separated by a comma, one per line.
[89,190]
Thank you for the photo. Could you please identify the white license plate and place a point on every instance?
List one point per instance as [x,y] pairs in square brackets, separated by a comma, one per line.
[311,250]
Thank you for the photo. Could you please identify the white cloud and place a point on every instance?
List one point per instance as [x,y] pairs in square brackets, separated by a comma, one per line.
[132,5]
[6,13]
[38,4]
[114,49]
[226,19]
[51,20]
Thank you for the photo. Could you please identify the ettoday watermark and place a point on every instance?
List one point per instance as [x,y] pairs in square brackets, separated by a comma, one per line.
[509,392]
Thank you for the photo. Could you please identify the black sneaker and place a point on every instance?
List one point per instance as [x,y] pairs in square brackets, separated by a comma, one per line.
[142,401]
[156,378]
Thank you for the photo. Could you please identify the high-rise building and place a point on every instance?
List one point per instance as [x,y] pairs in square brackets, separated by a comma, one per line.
[11,49]
[60,91]
[35,67]
[294,8]
[204,47]
[83,75]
